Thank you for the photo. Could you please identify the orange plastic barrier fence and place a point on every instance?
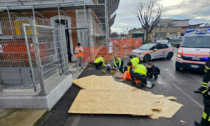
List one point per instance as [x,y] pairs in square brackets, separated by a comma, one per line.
[15,53]
[121,48]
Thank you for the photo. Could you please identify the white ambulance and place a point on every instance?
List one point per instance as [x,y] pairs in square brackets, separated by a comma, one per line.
[193,50]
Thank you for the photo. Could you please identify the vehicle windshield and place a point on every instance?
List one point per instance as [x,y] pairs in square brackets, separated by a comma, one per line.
[196,42]
[146,46]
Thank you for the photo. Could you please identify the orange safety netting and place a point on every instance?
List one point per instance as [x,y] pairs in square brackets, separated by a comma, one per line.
[121,48]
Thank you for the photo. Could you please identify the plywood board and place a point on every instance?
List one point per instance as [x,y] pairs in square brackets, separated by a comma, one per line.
[123,102]
[111,102]
[103,95]
[94,82]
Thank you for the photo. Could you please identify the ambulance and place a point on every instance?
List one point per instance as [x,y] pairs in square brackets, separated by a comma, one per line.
[193,50]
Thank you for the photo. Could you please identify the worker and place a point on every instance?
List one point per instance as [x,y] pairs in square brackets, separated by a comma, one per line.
[139,73]
[79,53]
[206,78]
[118,63]
[152,70]
[134,60]
[126,70]
[99,62]
[205,120]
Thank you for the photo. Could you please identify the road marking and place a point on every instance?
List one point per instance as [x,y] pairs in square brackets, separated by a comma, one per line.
[192,99]
[196,78]
[76,121]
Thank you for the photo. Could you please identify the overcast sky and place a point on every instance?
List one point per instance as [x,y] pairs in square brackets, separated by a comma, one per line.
[196,10]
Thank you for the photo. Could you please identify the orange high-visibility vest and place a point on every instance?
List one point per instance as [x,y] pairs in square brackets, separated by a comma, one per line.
[79,54]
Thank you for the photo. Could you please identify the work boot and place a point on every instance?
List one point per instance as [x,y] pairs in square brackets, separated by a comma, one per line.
[133,82]
[197,124]
[200,90]
[156,77]
[112,72]
[103,70]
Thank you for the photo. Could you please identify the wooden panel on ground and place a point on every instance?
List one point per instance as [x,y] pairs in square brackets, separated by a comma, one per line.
[94,82]
[137,103]
[103,95]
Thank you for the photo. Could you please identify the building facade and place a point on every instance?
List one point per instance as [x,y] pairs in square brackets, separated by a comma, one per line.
[166,28]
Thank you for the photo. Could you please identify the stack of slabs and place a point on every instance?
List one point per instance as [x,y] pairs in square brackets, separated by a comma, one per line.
[103,95]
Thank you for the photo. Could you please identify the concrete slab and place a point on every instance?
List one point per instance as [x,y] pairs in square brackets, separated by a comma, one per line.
[44,102]
[20,117]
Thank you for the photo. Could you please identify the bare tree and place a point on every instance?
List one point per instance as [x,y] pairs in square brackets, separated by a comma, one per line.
[149,14]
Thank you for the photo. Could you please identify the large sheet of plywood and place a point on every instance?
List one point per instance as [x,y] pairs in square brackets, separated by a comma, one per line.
[103,95]
[123,102]
[94,82]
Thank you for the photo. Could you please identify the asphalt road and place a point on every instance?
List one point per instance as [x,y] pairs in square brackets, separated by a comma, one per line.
[170,83]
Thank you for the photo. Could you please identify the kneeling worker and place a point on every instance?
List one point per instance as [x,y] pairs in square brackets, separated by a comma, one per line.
[134,60]
[152,70]
[139,73]
[99,62]
[118,63]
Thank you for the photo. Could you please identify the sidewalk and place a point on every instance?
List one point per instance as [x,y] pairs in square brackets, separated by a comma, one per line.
[29,117]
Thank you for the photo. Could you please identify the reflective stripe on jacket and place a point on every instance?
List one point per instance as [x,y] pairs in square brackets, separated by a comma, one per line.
[140,69]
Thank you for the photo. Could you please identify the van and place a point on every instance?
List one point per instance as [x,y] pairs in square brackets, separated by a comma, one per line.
[193,50]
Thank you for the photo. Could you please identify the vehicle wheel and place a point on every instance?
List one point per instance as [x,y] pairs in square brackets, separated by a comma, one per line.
[147,58]
[169,56]
[178,68]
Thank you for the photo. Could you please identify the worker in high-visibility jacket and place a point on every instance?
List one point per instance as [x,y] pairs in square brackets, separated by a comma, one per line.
[79,53]
[205,120]
[126,70]
[134,60]
[206,78]
[99,62]
[118,63]
[139,73]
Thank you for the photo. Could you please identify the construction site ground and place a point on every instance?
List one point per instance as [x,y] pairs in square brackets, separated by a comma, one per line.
[180,84]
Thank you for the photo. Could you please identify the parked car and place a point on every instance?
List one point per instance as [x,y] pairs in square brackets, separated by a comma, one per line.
[152,51]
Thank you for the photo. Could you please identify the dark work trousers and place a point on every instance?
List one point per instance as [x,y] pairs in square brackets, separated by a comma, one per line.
[152,73]
[98,65]
[206,79]
[205,121]
[121,66]
[137,76]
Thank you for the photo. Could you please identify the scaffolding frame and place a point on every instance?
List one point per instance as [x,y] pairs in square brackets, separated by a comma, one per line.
[107,18]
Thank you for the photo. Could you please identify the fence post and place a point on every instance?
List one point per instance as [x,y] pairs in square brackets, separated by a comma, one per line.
[29,56]
[38,59]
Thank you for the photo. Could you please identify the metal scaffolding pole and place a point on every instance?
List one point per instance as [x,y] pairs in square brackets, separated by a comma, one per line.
[107,26]
[37,53]
[106,21]
[8,12]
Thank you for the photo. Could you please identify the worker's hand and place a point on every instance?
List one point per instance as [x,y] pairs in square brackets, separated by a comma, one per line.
[118,70]
[205,71]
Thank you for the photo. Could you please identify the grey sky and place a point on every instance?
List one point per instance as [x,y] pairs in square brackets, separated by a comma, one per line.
[196,10]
